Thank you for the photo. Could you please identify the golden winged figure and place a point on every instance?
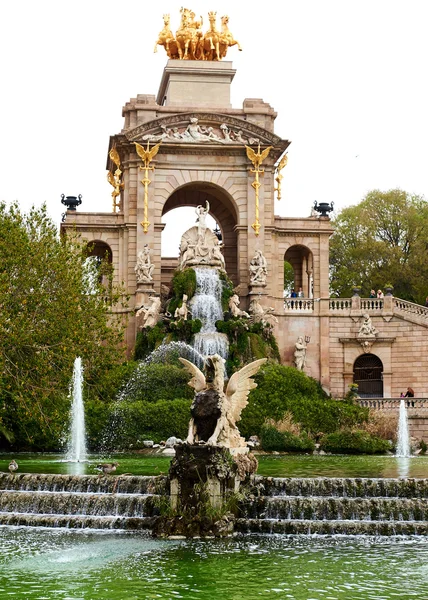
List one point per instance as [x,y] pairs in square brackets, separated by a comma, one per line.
[257,157]
[114,155]
[231,402]
[147,155]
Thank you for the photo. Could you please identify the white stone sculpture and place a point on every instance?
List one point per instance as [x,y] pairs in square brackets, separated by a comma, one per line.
[215,412]
[258,269]
[261,314]
[182,312]
[200,247]
[367,328]
[144,267]
[199,134]
[202,212]
[151,313]
[300,354]
[234,307]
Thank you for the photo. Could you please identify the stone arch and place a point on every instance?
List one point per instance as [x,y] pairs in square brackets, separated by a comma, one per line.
[368,374]
[301,258]
[99,249]
[222,208]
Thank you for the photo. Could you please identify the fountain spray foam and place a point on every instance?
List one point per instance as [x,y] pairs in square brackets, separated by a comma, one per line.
[403,441]
[76,451]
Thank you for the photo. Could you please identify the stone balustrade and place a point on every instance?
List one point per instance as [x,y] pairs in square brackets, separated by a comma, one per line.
[298,305]
[392,403]
[403,306]
[340,305]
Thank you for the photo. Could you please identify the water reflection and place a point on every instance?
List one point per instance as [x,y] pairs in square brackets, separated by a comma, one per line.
[403,466]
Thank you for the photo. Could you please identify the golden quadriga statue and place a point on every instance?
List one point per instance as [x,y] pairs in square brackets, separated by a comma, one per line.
[191,43]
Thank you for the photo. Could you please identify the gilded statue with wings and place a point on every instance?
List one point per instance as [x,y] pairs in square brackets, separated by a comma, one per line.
[214,412]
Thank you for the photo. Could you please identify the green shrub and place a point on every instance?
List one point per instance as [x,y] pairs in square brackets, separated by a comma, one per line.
[353,442]
[281,389]
[183,282]
[149,339]
[183,331]
[133,423]
[227,290]
[285,441]
[154,382]
[247,342]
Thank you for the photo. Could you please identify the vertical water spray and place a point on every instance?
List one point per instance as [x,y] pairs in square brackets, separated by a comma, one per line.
[403,441]
[76,451]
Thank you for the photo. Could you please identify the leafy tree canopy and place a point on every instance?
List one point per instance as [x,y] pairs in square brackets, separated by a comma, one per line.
[381,241]
[52,309]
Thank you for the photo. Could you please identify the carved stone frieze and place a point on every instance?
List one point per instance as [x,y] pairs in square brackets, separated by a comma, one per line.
[243,131]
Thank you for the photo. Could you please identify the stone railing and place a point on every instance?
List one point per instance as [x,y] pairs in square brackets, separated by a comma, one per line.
[337,305]
[371,304]
[392,403]
[403,306]
[298,305]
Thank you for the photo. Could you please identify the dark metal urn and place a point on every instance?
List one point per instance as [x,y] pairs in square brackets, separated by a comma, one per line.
[71,202]
[323,208]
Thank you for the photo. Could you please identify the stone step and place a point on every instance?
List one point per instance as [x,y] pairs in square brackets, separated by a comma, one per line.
[79,503]
[76,521]
[335,508]
[125,484]
[308,527]
[341,487]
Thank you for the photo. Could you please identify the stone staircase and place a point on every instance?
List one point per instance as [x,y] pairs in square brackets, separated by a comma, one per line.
[82,501]
[350,506]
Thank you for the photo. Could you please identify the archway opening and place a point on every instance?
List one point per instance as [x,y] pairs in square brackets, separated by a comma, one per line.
[299,268]
[222,218]
[100,263]
[368,374]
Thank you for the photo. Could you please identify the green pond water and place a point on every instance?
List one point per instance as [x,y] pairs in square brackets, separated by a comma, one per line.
[269,465]
[42,564]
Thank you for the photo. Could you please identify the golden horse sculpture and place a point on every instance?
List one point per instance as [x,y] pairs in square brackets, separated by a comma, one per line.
[190,43]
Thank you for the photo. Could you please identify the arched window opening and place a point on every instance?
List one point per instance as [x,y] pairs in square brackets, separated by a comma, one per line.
[300,259]
[368,375]
[99,265]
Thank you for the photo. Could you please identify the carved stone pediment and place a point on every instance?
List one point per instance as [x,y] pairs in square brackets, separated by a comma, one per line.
[204,128]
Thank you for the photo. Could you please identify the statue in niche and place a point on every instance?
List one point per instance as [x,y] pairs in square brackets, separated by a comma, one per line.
[300,354]
[144,267]
[367,328]
[182,312]
[258,269]
[261,314]
[151,314]
[234,308]
[214,413]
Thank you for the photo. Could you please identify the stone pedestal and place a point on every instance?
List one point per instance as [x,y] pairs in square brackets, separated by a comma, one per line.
[202,480]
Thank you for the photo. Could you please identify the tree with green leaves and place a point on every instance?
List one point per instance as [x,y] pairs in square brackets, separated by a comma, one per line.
[53,308]
[379,242]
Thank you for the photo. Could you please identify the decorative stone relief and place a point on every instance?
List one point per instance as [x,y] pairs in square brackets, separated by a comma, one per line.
[260,314]
[151,313]
[200,134]
[258,269]
[144,267]
[367,329]
[234,308]
[200,246]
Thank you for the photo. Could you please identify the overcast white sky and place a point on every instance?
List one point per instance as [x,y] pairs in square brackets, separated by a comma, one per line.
[348,79]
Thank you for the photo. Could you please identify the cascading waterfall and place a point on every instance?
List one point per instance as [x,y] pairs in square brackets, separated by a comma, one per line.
[76,450]
[403,441]
[206,306]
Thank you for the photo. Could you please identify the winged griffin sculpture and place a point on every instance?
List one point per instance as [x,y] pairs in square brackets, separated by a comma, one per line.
[214,411]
